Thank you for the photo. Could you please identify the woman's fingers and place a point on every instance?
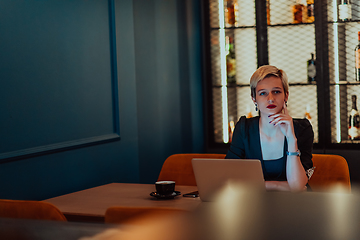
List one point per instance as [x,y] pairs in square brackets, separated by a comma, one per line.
[280,121]
[279,118]
[285,108]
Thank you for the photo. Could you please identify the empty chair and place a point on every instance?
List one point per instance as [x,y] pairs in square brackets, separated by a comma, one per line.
[330,171]
[178,167]
[118,214]
[30,210]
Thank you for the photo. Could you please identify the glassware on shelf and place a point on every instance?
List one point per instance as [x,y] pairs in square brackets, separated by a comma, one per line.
[310,17]
[299,12]
[236,13]
[307,113]
[249,114]
[231,13]
[357,59]
[354,121]
[230,61]
[311,69]
[345,10]
[268,11]
[231,127]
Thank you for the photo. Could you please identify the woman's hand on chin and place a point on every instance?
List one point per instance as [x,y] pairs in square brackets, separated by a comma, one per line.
[285,122]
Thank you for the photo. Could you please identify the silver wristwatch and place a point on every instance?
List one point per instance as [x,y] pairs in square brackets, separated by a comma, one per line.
[297,153]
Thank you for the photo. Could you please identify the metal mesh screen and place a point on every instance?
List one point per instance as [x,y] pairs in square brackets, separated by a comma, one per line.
[281,11]
[343,28]
[215,59]
[217,108]
[238,30]
[289,45]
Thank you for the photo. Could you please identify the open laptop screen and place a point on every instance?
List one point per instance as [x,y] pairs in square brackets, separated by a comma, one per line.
[212,175]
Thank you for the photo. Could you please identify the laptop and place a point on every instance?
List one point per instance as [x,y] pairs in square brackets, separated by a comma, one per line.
[212,175]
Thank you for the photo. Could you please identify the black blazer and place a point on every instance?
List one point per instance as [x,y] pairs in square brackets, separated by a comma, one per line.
[246,141]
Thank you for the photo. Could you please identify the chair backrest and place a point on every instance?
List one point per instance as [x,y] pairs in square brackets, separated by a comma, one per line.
[135,215]
[30,210]
[178,167]
[330,171]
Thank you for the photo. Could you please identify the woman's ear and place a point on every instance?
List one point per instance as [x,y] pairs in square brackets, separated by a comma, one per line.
[253,99]
[286,96]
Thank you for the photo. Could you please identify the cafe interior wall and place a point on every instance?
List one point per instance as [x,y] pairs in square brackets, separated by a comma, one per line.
[56,87]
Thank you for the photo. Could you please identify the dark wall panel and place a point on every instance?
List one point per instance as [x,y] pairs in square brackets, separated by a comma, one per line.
[56,72]
[126,156]
[194,62]
[56,86]
[158,84]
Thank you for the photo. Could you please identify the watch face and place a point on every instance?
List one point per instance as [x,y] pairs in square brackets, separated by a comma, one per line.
[297,153]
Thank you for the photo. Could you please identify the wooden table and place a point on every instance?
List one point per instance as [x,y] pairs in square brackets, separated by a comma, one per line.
[26,229]
[238,214]
[259,216]
[90,205]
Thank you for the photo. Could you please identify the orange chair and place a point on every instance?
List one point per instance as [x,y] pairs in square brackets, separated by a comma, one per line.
[178,167]
[330,171]
[135,215]
[30,210]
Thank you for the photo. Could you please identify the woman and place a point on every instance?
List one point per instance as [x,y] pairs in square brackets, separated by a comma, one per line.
[283,144]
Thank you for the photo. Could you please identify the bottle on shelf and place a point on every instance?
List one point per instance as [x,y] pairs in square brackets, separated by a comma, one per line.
[232,13]
[354,121]
[236,13]
[311,69]
[249,114]
[268,11]
[310,17]
[307,113]
[230,61]
[299,12]
[231,127]
[345,10]
[357,59]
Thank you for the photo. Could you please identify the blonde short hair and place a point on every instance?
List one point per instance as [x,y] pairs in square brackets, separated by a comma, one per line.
[268,71]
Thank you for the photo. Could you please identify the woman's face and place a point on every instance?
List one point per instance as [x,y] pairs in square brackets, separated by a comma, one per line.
[270,95]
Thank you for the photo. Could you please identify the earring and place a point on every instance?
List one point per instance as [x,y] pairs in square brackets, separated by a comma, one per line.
[286,103]
[256,108]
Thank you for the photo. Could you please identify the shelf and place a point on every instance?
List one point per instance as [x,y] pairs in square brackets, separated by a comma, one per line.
[248,85]
[271,25]
[345,83]
[289,24]
[351,141]
[343,22]
[302,84]
[233,28]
